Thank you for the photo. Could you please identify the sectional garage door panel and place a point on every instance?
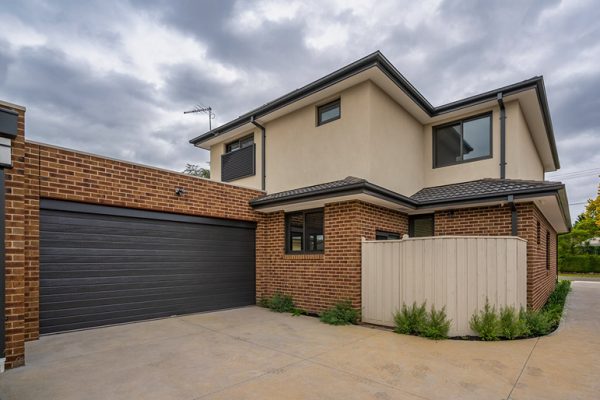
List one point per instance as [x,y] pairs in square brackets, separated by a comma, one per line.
[100,269]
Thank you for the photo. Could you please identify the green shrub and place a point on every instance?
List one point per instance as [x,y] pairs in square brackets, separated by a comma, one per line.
[437,324]
[341,314]
[512,324]
[411,320]
[486,323]
[298,311]
[279,303]
[583,263]
[556,302]
[538,322]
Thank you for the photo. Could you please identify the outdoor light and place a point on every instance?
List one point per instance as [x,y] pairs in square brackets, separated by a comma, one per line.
[180,191]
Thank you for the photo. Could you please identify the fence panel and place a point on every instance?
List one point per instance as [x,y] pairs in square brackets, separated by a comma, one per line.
[456,272]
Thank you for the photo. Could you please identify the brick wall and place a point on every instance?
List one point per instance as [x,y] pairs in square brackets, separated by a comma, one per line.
[317,281]
[496,221]
[15,250]
[541,279]
[43,171]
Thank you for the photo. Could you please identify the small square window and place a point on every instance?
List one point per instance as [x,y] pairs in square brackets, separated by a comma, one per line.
[304,232]
[328,112]
[421,225]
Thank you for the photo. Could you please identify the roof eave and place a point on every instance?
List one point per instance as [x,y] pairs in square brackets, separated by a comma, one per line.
[356,188]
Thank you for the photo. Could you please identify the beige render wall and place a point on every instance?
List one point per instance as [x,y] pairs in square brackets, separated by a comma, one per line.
[299,153]
[523,161]
[376,139]
[396,145]
[253,182]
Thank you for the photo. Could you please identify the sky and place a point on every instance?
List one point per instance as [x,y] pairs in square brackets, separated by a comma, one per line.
[114,77]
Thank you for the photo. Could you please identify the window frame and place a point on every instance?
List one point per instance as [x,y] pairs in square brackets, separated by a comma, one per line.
[326,107]
[435,129]
[548,250]
[288,250]
[411,225]
[240,140]
[379,232]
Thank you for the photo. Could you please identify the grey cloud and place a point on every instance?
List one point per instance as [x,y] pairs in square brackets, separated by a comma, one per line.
[117,114]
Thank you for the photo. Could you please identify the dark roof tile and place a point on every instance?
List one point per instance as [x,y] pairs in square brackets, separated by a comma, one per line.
[480,189]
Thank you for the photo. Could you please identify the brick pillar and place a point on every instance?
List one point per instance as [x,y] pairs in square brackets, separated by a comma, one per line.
[32,242]
[15,249]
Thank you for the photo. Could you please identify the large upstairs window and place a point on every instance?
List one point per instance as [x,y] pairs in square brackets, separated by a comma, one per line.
[462,141]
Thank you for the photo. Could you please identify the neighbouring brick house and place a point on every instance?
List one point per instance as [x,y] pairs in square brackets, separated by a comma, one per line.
[296,185]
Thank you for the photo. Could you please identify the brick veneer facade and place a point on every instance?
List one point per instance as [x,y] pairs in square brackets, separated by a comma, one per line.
[317,281]
[43,171]
[496,221]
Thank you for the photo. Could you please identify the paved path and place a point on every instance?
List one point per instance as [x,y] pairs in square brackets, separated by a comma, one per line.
[251,353]
[583,278]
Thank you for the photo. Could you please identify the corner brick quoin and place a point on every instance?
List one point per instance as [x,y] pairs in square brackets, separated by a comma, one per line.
[315,281]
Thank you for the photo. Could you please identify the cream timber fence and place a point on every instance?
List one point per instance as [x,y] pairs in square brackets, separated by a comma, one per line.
[456,272]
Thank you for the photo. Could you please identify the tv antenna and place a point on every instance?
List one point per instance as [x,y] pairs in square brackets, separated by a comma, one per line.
[207,110]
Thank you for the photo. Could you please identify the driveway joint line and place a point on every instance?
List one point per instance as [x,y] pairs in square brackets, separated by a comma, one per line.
[523,369]
[270,371]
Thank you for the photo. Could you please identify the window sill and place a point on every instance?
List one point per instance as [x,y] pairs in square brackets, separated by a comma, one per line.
[305,256]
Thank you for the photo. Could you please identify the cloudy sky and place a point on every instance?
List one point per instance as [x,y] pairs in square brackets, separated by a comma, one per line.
[114,77]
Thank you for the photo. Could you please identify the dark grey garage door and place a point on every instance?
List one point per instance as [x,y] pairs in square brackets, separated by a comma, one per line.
[105,265]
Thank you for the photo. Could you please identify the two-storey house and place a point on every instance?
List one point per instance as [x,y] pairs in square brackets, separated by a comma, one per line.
[360,153]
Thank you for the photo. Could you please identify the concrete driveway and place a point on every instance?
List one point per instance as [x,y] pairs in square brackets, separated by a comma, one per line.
[252,353]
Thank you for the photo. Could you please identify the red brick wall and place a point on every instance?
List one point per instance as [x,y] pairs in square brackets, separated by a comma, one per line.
[15,250]
[317,281]
[540,280]
[496,221]
[42,171]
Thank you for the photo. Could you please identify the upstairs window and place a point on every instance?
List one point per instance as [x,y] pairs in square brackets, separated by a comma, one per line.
[420,225]
[304,232]
[239,159]
[239,144]
[462,141]
[328,112]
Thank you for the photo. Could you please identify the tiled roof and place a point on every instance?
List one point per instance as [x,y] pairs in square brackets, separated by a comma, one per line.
[480,189]
[323,187]
[472,190]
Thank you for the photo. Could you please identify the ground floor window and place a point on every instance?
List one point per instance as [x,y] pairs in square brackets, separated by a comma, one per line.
[420,225]
[548,250]
[382,235]
[304,232]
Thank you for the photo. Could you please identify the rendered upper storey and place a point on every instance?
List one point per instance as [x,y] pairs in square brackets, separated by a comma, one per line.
[367,120]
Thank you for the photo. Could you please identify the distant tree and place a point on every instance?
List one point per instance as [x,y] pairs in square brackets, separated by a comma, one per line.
[196,170]
[585,228]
